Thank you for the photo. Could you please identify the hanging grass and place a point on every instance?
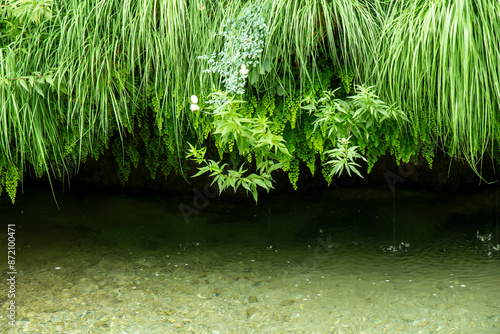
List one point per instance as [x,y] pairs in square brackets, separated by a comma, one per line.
[301,31]
[440,61]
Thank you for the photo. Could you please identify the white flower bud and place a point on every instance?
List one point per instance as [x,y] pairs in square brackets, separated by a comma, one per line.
[194,107]
[194,99]
[243,70]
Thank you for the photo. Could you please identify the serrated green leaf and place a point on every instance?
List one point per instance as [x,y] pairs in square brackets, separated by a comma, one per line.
[38,89]
[258,181]
[23,83]
[201,171]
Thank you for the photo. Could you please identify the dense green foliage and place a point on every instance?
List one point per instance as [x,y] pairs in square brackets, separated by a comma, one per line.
[332,80]
[440,61]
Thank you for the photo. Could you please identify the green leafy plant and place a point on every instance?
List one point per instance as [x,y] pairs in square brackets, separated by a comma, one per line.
[251,137]
[29,10]
[242,47]
[361,116]
[342,157]
[243,43]
[226,178]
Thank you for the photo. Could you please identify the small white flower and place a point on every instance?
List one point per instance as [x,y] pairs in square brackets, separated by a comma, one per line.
[194,107]
[194,99]
[244,70]
[201,7]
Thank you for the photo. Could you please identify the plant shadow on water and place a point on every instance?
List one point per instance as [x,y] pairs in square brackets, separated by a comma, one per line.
[321,264]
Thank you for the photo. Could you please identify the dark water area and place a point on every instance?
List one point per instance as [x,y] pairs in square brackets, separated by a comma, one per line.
[359,260]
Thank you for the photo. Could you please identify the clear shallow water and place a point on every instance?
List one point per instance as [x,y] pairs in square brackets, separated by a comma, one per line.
[342,261]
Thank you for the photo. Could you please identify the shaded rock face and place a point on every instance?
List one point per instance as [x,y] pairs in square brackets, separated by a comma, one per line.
[446,175]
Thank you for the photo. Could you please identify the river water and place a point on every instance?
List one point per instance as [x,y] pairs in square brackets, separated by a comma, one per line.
[340,261]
